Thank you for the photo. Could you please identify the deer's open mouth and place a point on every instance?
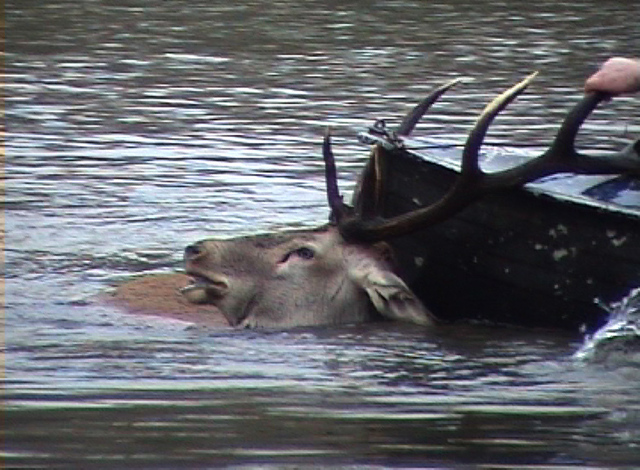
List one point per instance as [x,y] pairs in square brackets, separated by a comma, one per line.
[196,291]
[197,282]
[204,289]
[210,289]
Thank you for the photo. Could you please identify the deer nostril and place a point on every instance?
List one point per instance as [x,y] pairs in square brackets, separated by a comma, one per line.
[191,251]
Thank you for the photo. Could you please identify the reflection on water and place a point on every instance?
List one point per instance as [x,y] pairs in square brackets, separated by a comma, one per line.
[183,396]
[134,129]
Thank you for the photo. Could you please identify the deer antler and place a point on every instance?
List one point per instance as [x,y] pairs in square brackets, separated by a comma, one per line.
[339,210]
[473,183]
[411,119]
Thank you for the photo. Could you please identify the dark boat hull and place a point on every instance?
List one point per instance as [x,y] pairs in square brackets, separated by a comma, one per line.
[518,257]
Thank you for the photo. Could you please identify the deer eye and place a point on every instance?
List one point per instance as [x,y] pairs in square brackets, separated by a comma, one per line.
[303,253]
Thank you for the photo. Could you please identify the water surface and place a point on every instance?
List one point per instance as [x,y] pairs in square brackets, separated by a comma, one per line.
[134,129]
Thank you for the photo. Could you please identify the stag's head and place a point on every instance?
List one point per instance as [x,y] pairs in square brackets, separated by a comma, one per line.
[343,272]
[309,277]
[298,278]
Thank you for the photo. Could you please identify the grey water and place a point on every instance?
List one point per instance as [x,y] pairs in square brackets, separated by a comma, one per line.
[134,128]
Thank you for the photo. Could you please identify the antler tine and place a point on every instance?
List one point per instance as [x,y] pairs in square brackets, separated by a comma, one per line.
[331,178]
[564,142]
[563,156]
[411,119]
[369,192]
[471,150]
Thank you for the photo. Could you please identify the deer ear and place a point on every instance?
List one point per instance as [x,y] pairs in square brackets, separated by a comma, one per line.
[390,295]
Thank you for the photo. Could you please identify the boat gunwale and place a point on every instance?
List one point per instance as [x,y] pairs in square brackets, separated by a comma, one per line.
[541,187]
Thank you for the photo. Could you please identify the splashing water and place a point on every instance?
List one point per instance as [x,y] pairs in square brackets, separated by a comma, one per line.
[617,343]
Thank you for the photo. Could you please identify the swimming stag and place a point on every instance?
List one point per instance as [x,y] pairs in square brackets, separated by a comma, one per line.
[343,272]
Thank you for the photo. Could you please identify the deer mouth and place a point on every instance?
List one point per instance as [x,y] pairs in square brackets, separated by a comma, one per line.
[204,289]
[211,289]
[196,291]
[197,281]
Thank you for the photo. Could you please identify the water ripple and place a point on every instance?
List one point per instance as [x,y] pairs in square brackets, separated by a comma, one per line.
[131,132]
